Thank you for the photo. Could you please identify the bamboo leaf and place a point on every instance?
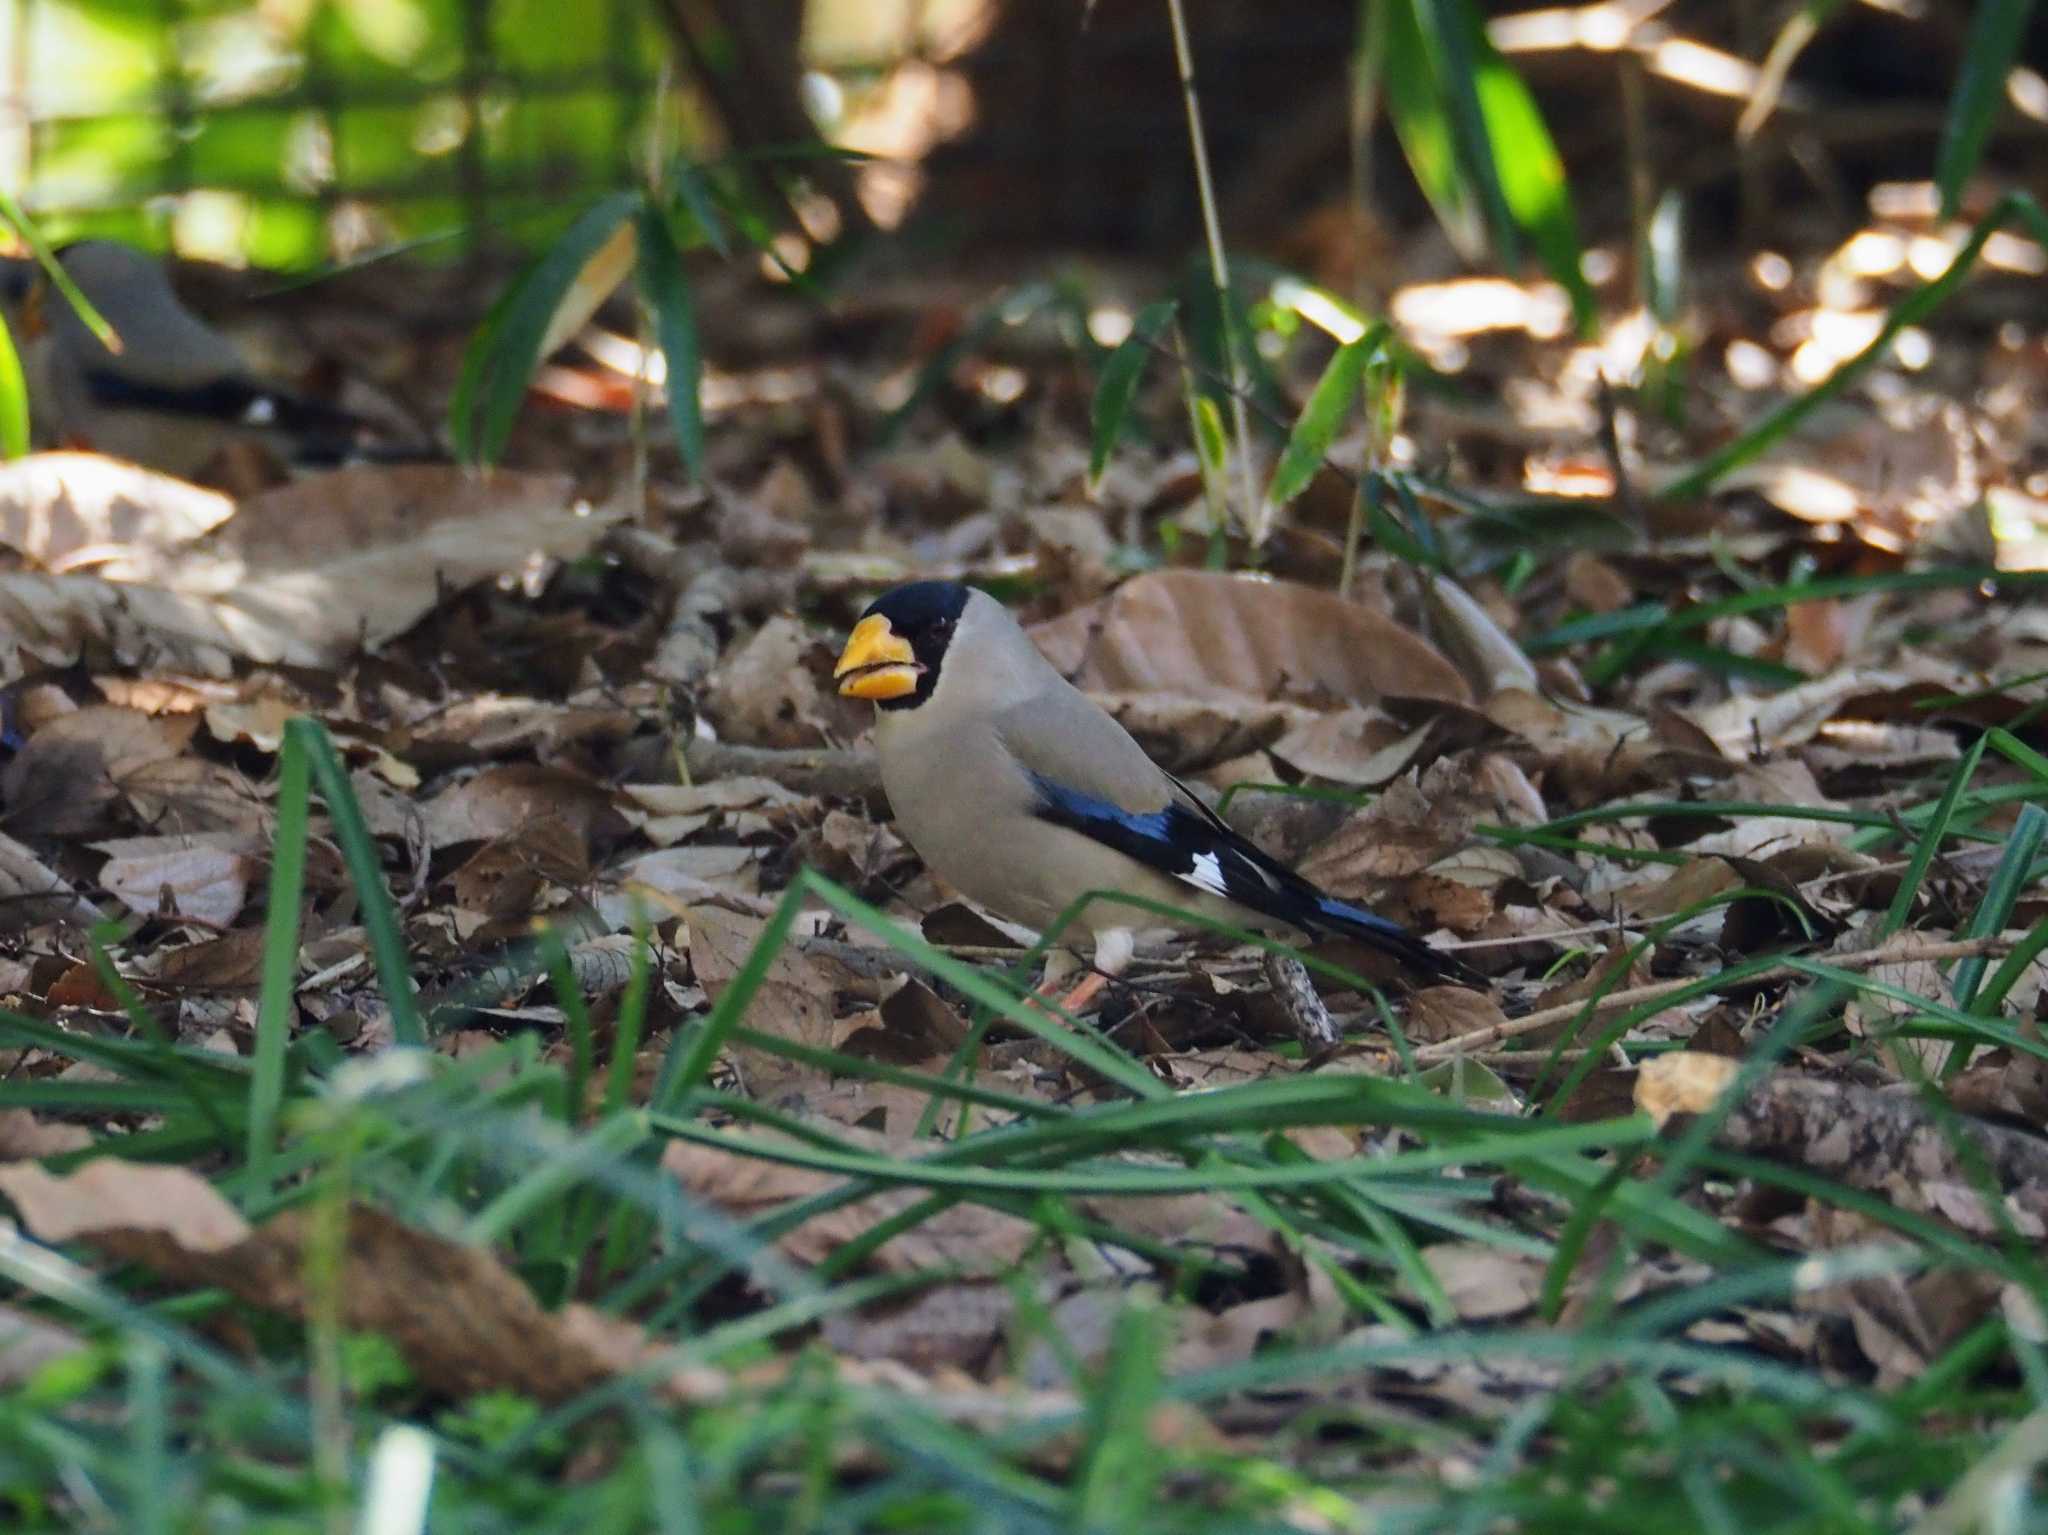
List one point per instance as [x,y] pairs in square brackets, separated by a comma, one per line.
[1530,172]
[511,342]
[1328,404]
[667,289]
[13,399]
[1412,79]
[1119,385]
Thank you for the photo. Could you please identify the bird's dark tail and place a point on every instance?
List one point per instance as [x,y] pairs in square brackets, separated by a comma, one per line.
[1339,919]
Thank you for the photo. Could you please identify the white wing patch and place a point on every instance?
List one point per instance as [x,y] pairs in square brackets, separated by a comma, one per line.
[1206,873]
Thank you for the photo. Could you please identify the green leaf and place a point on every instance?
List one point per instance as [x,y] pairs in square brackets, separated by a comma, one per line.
[1119,385]
[506,348]
[1408,535]
[1212,448]
[1412,78]
[1328,404]
[698,200]
[1995,32]
[1475,139]
[1528,168]
[13,399]
[667,289]
[1119,1474]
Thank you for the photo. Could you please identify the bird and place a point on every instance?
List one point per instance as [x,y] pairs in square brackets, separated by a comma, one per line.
[174,392]
[1024,794]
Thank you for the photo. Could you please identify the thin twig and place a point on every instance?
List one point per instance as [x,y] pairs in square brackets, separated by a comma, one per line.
[1219,272]
[1311,1019]
[1635,996]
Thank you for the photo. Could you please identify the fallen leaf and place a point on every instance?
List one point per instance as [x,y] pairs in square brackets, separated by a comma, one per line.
[1485,1283]
[463,1321]
[199,877]
[68,776]
[1204,635]
[793,1001]
[509,800]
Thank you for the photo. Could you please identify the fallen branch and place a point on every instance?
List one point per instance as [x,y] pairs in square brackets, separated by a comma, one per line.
[1887,1141]
[832,773]
[1897,953]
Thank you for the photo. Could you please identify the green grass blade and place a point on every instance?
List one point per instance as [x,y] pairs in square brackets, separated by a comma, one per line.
[275,1008]
[631,1024]
[46,258]
[1119,383]
[1120,1469]
[1996,27]
[2001,895]
[1931,838]
[667,289]
[366,873]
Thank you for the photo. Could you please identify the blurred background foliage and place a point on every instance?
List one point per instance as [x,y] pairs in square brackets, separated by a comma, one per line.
[285,133]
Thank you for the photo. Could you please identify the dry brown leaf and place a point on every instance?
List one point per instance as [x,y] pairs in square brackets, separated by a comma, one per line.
[23,1137]
[1683,1082]
[1417,820]
[960,1325]
[514,799]
[970,1238]
[66,779]
[505,876]
[359,555]
[302,575]
[1894,467]
[1438,1013]
[1491,658]
[1207,635]
[1748,724]
[742,806]
[1594,584]
[463,1321]
[773,691]
[1681,889]
[491,725]
[203,877]
[65,510]
[1363,747]
[231,962]
[1485,1283]
[794,1000]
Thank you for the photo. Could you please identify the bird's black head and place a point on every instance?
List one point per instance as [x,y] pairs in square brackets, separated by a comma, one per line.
[895,651]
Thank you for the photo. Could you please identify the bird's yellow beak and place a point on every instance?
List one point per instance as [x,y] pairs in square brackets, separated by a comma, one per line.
[877,662]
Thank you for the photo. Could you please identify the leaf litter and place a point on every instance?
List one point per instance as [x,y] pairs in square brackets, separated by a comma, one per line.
[596,719]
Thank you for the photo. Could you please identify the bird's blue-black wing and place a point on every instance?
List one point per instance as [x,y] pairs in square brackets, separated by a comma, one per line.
[1190,843]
